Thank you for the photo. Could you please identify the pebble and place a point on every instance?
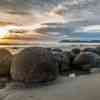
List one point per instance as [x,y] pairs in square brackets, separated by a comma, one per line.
[72,75]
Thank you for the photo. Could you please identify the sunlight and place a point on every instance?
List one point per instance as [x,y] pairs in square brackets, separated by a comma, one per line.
[3,32]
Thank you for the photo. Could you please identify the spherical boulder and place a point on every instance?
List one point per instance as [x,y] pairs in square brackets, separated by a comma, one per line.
[63,61]
[58,58]
[98,50]
[65,64]
[74,52]
[89,50]
[86,61]
[34,64]
[49,49]
[56,50]
[5,62]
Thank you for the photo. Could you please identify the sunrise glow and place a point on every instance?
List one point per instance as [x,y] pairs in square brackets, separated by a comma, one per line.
[3,32]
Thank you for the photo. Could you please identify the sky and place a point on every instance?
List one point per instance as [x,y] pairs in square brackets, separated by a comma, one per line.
[28,21]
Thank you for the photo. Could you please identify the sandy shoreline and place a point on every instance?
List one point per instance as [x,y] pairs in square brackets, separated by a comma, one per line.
[85,87]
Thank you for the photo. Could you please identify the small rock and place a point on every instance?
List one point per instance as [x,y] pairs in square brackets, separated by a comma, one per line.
[72,75]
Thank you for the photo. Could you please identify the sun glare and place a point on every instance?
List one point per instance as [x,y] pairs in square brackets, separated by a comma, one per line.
[3,32]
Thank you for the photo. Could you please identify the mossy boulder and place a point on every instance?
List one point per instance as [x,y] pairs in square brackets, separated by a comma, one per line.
[5,62]
[34,64]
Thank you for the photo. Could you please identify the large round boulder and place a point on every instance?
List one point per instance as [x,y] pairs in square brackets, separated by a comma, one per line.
[63,61]
[98,50]
[56,50]
[86,61]
[74,52]
[89,50]
[58,58]
[65,64]
[5,62]
[34,64]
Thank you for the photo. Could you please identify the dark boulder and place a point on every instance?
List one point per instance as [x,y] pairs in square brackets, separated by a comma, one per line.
[58,57]
[65,64]
[74,52]
[34,64]
[5,62]
[49,49]
[98,50]
[56,50]
[86,61]
[89,50]
[63,61]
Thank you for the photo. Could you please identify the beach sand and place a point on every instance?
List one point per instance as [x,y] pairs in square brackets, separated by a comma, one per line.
[86,87]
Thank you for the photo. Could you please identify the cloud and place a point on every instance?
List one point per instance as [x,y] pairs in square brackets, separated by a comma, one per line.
[18,12]
[62,28]
[16,5]
[68,8]
[62,18]
[19,6]
[91,28]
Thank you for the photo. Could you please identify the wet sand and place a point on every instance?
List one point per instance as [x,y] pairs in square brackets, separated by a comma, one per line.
[85,87]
